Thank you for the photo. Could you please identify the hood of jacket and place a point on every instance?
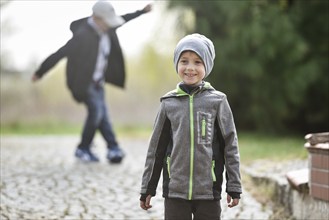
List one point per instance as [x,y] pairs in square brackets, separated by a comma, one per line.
[75,25]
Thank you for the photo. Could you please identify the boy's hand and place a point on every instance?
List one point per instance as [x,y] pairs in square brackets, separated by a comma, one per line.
[147,8]
[232,202]
[35,78]
[147,204]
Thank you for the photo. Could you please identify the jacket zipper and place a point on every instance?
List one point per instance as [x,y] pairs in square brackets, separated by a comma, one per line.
[192,145]
[192,148]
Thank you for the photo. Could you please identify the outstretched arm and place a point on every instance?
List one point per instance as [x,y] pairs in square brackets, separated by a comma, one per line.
[130,16]
[74,43]
[52,60]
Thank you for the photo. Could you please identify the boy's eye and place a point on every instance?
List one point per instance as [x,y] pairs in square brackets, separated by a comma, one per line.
[183,61]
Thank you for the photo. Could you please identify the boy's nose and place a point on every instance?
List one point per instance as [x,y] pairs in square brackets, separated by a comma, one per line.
[190,67]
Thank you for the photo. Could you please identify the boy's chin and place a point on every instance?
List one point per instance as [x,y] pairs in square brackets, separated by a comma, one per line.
[191,83]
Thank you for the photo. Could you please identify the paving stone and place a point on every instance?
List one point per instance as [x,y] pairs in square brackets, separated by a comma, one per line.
[41,179]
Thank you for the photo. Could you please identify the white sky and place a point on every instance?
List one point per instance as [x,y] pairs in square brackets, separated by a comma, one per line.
[39,28]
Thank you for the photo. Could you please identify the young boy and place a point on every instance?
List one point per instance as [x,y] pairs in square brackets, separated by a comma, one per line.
[194,137]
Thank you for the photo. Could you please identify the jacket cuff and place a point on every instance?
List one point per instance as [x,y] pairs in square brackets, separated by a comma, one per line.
[140,12]
[143,197]
[234,195]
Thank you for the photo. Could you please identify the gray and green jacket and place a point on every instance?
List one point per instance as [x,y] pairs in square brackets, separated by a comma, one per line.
[194,137]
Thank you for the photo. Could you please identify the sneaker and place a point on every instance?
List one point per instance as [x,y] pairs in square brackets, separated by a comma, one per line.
[85,155]
[115,155]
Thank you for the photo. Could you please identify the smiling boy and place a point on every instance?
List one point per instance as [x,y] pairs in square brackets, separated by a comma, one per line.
[193,140]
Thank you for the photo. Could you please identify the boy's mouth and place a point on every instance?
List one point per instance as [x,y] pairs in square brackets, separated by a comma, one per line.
[190,75]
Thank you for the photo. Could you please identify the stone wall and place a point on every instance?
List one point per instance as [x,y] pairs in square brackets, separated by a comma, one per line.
[301,188]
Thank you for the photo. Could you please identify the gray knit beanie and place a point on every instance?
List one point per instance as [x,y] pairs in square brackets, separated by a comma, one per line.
[199,44]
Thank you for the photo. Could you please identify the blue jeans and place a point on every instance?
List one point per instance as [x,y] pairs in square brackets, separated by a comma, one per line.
[97,119]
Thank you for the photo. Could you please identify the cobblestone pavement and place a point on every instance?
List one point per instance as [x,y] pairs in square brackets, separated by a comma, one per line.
[40,179]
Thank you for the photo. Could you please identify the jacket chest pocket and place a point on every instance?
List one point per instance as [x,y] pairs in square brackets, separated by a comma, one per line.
[204,128]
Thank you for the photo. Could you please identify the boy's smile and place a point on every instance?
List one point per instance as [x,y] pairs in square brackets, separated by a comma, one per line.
[191,68]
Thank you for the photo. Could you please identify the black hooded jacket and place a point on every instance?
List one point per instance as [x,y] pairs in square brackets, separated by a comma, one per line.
[81,52]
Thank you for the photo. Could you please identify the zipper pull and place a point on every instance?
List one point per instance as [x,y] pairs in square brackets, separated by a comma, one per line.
[203,127]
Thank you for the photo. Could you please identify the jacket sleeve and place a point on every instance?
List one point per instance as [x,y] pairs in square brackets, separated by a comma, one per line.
[53,59]
[130,16]
[156,153]
[231,150]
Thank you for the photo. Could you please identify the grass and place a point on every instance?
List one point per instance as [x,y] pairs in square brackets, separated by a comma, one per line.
[253,146]
[40,128]
[64,128]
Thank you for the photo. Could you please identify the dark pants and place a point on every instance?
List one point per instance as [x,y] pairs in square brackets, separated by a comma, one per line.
[97,119]
[183,209]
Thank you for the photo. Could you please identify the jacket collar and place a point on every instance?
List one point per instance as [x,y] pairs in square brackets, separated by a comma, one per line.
[203,86]
[180,92]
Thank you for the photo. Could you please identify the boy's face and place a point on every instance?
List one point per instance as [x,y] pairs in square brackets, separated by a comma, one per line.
[191,68]
[101,24]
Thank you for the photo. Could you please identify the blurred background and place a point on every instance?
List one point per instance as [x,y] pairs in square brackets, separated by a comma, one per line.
[271,61]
